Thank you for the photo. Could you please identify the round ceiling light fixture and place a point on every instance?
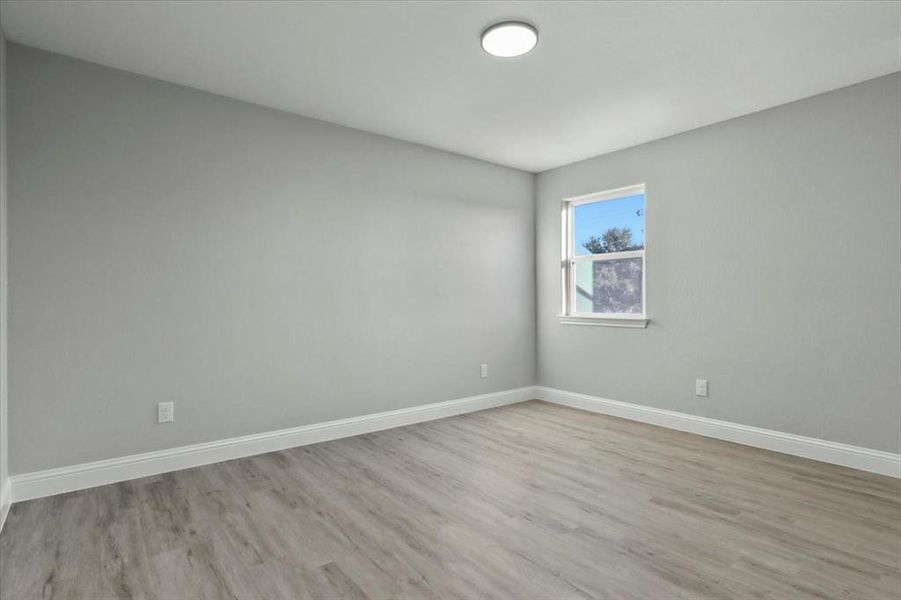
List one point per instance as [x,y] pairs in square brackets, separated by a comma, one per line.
[509,39]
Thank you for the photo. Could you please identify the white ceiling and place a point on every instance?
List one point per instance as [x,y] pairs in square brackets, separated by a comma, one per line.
[605,75]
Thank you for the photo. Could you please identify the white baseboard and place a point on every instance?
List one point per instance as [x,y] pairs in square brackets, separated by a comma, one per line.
[865,459]
[77,477]
[5,501]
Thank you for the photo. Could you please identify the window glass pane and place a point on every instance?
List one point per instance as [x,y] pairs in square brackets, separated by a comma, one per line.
[609,226]
[609,286]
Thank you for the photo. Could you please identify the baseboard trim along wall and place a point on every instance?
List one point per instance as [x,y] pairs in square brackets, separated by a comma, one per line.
[77,477]
[865,459]
[5,501]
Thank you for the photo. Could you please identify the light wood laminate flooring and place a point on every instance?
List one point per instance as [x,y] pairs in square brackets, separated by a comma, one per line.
[529,501]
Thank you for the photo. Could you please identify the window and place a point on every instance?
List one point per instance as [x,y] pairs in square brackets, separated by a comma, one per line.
[604,258]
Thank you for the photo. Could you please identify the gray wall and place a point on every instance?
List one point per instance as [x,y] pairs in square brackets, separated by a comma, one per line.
[4,421]
[260,269]
[774,271]
[264,270]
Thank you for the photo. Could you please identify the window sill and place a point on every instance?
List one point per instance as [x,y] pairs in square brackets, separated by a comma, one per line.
[630,322]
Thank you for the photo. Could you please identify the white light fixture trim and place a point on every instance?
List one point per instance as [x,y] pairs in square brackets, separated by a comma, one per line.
[509,39]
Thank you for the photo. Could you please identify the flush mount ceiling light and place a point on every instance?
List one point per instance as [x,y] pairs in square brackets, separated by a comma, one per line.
[509,39]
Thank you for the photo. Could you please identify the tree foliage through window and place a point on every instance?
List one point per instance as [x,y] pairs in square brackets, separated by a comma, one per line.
[615,239]
[615,285]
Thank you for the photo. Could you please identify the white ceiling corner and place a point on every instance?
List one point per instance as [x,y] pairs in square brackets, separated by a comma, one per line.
[604,76]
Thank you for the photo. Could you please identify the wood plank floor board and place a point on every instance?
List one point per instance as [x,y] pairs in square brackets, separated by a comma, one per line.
[528,501]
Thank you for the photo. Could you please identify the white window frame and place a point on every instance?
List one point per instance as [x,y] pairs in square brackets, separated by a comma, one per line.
[569,315]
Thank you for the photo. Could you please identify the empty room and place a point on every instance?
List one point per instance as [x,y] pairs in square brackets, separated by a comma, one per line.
[420,300]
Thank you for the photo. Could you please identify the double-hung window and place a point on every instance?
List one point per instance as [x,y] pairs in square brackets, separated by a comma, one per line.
[603,265]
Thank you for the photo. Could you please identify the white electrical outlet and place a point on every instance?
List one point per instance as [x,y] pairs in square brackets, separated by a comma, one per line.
[165,412]
[701,388]
[484,371]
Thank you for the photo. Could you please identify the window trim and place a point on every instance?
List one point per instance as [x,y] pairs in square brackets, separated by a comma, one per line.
[568,314]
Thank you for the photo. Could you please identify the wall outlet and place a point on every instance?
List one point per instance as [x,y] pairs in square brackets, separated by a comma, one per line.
[484,371]
[165,412]
[701,388]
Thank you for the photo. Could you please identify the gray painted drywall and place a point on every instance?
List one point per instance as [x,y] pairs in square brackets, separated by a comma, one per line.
[170,244]
[260,269]
[4,421]
[774,271]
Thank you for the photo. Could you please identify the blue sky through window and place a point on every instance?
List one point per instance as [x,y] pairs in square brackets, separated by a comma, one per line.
[596,218]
